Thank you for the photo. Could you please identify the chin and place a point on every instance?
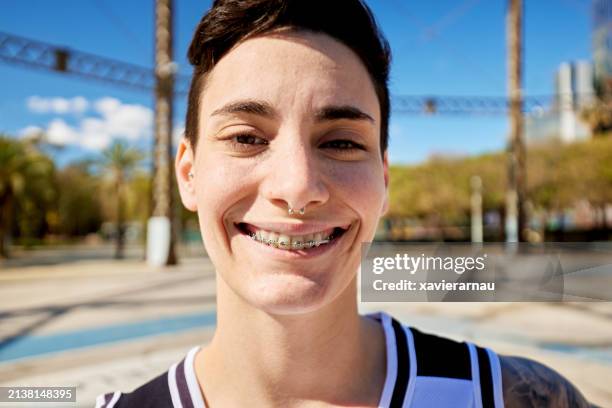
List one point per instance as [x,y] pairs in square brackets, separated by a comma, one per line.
[287,294]
[284,294]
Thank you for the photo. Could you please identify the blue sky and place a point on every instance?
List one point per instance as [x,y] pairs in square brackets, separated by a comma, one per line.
[446,47]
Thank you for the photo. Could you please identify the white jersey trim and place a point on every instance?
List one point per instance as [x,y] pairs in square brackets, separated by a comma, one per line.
[114,400]
[391,351]
[413,367]
[475,375]
[174,392]
[192,380]
[100,401]
[498,389]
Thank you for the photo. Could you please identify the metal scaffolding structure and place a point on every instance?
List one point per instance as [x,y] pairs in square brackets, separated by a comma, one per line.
[466,105]
[37,54]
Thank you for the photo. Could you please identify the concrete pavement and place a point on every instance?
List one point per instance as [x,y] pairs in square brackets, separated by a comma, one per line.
[104,325]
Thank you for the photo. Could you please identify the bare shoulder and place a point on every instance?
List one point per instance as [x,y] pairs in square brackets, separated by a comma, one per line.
[527,383]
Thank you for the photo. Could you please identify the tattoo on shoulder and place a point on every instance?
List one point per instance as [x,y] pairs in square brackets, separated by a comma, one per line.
[529,384]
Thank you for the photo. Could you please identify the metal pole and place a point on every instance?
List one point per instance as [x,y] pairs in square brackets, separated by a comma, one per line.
[515,196]
[476,204]
[161,227]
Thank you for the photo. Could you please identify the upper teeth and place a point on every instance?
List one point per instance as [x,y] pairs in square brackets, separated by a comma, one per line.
[290,242]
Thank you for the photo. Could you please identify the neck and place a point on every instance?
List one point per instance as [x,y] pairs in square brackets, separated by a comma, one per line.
[331,354]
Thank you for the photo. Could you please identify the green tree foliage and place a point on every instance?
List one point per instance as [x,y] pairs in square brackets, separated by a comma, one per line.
[78,210]
[437,192]
[598,116]
[440,189]
[27,190]
[120,161]
[138,200]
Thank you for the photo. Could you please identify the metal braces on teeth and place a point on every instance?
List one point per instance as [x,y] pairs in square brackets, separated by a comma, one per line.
[294,245]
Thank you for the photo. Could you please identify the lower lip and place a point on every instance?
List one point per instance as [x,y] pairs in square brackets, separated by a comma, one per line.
[294,254]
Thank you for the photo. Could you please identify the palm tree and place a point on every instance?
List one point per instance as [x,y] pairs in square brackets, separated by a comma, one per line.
[121,161]
[25,175]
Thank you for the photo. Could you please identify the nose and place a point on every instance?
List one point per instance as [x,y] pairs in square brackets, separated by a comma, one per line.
[295,178]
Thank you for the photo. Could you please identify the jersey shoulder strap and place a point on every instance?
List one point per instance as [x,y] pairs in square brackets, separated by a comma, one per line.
[455,374]
[441,357]
[153,394]
[177,387]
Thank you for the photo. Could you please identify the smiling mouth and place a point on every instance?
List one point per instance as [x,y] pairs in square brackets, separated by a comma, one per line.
[291,242]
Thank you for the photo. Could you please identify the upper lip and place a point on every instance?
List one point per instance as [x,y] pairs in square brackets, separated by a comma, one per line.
[303,228]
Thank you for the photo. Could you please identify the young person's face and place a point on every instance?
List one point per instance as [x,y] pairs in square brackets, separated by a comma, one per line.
[289,119]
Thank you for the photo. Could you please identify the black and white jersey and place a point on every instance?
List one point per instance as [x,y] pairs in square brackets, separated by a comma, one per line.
[423,371]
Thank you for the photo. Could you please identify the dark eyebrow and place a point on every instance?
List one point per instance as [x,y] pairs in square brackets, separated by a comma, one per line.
[342,112]
[262,108]
[249,106]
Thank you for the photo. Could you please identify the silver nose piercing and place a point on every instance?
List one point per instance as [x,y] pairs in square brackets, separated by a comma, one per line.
[301,211]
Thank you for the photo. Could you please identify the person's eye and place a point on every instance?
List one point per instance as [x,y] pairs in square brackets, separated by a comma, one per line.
[342,144]
[246,143]
[247,139]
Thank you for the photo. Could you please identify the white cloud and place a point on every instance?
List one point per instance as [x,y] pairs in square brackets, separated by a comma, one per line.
[107,105]
[80,104]
[60,106]
[124,120]
[60,133]
[30,132]
[94,134]
[115,120]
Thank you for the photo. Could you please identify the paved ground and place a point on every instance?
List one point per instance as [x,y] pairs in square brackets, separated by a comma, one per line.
[102,325]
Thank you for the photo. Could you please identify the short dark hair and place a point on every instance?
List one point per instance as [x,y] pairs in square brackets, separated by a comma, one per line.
[230,21]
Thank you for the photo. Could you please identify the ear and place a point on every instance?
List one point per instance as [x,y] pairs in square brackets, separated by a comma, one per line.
[386,176]
[183,166]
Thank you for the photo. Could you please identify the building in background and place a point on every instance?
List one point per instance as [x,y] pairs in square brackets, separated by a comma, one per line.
[576,86]
[574,91]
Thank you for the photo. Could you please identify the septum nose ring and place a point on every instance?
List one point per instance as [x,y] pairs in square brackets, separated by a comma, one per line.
[301,211]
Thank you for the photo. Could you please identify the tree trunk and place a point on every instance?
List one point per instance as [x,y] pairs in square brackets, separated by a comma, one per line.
[5,224]
[3,249]
[120,227]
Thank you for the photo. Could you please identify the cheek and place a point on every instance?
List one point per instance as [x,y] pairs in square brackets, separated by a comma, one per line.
[221,182]
[220,185]
[361,185]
